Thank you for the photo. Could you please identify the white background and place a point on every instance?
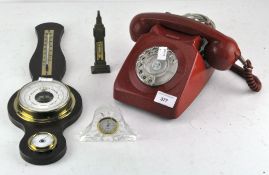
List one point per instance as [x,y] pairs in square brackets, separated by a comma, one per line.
[224,131]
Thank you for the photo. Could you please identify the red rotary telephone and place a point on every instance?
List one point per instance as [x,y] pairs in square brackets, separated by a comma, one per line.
[173,58]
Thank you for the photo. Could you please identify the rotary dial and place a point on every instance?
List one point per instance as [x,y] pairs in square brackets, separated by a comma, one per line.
[153,71]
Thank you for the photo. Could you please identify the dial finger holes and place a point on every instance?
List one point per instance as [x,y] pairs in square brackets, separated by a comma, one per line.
[153,71]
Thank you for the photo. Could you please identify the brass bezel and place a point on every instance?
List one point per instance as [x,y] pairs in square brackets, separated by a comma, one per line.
[45,117]
[38,149]
[32,111]
[113,131]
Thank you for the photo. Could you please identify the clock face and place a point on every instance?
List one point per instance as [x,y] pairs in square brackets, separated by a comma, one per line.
[108,125]
[43,96]
[42,142]
[155,66]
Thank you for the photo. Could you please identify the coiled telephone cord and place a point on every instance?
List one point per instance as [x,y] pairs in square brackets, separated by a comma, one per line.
[246,72]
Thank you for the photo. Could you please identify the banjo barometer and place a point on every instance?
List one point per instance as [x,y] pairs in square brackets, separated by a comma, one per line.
[44,107]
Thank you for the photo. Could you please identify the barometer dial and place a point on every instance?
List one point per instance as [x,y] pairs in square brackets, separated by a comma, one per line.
[44,96]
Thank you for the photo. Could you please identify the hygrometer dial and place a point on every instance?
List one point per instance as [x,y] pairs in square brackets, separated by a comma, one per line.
[153,71]
[42,142]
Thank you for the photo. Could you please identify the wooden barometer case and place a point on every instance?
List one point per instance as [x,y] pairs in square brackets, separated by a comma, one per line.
[44,107]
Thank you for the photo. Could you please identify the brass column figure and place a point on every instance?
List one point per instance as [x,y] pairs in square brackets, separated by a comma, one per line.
[100,65]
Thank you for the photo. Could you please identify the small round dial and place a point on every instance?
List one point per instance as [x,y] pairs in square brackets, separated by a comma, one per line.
[108,125]
[42,142]
[154,72]
[43,96]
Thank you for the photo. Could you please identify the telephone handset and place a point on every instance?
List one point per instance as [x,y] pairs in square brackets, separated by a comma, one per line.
[171,62]
[221,51]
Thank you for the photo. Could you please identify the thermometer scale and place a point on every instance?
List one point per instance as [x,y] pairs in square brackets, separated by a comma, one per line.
[44,107]
[47,53]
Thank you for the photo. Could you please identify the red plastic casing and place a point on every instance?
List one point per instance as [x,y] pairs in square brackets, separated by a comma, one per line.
[221,51]
[192,74]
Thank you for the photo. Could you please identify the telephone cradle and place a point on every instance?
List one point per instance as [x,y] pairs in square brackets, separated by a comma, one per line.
[195,50]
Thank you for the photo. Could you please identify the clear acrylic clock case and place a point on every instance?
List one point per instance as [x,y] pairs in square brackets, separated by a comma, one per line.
[107,125]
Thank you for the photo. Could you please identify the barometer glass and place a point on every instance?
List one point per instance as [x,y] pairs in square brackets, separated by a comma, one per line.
[43,96]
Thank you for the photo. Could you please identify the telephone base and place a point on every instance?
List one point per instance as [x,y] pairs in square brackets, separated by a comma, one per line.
[100,69]
[192,74]
[128,94]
